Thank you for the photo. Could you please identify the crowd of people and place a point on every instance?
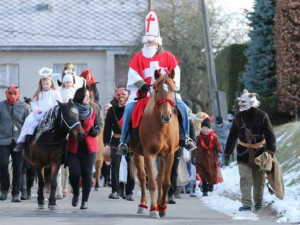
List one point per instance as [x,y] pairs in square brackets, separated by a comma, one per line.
[203,140]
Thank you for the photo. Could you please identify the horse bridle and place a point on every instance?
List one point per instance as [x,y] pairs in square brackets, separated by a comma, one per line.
[70,127]
[159,102]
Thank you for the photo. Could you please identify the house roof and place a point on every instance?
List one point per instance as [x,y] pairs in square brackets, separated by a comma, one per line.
[70,23]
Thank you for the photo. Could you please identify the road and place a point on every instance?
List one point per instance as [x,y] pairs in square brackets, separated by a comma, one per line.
[114,211]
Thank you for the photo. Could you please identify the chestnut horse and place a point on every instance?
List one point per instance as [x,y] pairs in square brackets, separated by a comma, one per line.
[47,147]
[159,137]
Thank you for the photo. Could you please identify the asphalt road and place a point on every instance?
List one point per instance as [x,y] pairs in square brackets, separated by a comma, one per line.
[106,211]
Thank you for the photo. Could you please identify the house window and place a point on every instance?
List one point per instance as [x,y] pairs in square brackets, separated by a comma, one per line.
[58,68]
[9,74]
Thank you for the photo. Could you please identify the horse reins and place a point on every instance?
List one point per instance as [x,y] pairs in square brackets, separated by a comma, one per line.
[70,127]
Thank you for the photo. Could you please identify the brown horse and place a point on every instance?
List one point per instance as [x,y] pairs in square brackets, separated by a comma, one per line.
[159,136]
[47,147]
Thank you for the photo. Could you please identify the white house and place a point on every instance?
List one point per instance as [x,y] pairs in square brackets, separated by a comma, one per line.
[93,34]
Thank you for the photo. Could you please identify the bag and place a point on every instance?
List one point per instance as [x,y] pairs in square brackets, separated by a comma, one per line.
[183,177]
[219,178]
[123,170]
[186,155]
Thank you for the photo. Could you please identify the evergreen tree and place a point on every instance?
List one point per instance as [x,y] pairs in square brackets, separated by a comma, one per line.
[260,76]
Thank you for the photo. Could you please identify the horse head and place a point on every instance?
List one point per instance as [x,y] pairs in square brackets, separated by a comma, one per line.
[70,119]
[164,96]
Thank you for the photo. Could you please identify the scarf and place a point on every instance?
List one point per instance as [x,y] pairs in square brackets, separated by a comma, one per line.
[209,137]
[85,111]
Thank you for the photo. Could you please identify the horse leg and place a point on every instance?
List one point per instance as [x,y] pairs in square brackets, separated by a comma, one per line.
[139,164]
[40,192]
[167,168]
[160,177]
[152,183]
[52,200]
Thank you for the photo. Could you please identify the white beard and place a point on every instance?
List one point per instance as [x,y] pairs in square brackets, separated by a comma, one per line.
[149,52]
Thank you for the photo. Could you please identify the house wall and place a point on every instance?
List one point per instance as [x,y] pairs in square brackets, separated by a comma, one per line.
[102,64]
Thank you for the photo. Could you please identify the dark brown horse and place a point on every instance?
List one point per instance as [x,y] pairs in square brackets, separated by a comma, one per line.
[47,147]
[159,136]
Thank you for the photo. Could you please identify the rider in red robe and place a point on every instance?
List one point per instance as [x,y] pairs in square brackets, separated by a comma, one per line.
[141,75]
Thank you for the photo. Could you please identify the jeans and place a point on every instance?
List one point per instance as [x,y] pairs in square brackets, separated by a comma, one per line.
[5,152]
[125,136]
[81,165]
[115,168]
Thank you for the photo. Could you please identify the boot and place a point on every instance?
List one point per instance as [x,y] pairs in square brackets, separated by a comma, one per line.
[15,198]
[177,192]
[122,149]
[24,187]
[3,195]
[84,205]
[19,147]
[245,208]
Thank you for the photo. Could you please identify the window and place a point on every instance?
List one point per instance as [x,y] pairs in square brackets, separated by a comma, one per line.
[9,74]
[58,68]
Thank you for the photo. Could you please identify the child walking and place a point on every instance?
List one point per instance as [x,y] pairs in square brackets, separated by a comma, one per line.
[44,98]
[205,157]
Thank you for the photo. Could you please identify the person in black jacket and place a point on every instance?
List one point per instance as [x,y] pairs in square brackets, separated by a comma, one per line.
[254,130]
[111,142]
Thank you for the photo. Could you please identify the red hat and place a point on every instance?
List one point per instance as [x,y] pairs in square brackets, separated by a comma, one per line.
[89,80]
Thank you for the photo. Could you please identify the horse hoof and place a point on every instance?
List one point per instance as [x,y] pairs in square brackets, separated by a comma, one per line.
[162,213]
[41,206]
[52,207]
[154,214]
[141,210]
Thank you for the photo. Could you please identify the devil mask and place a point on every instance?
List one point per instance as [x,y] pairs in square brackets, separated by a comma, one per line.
[12,94]
[121,95]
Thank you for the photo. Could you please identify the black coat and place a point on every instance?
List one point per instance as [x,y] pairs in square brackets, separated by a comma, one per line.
[260,127]
[114,114]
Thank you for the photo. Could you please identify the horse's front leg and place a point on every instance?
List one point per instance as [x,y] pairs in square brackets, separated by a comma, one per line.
[139,164]
[152,184]
[40,192]
[166,183]
[52,200]
[160,177]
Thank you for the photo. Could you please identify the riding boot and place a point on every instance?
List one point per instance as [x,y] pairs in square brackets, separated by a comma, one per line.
[23,187]
[190,144]
[19,147]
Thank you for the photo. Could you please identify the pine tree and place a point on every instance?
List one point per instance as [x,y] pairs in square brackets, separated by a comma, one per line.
[287,37]
[260,74]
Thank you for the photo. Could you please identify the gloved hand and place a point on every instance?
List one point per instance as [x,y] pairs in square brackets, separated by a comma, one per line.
[227,159]
[142,94]
[93,132]
[145,88]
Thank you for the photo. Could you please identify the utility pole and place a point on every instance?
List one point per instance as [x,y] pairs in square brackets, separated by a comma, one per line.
[210,63]
[149,5]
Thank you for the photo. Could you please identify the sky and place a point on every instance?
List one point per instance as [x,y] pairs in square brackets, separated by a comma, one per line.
[236,6]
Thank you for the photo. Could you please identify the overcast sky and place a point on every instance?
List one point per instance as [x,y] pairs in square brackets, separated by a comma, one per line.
[237,6]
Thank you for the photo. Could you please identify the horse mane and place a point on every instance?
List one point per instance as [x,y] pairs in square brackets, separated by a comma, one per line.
[47,122]
[151,103]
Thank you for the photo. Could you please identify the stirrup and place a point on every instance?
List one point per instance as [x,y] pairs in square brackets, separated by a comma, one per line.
[190,144]
[122,149]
